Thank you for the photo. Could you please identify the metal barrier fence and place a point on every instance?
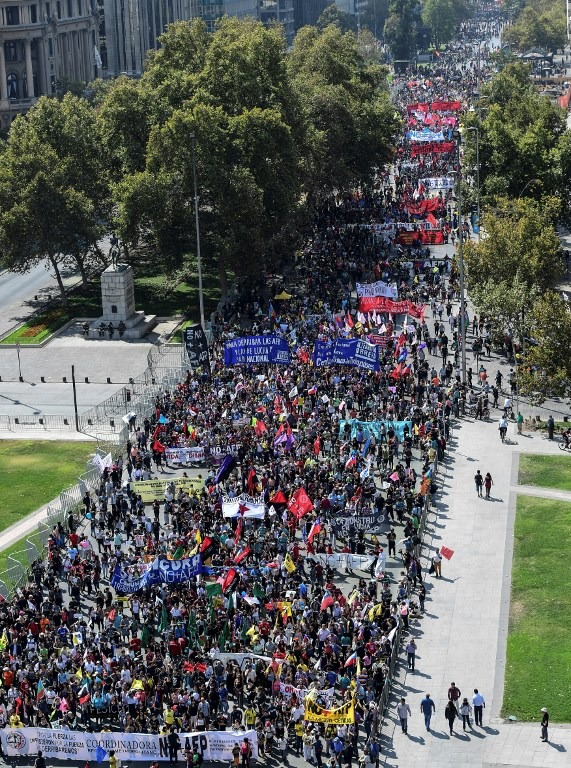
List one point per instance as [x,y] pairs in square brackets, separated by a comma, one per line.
[34,546]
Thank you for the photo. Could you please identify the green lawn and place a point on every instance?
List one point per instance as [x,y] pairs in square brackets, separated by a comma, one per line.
[34,472]
[38,328]
[538,666]
[546,471]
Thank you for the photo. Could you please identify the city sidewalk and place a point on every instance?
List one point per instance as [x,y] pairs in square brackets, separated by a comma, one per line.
[463,634]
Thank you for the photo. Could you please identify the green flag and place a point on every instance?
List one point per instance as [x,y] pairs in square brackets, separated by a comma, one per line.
[231,603]
[245,628]
[145,636]
[164,620]
[259,593]
[179,553]
[192,629]
[224,637]
[213,589]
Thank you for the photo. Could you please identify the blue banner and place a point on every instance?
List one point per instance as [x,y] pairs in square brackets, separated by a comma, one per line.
[355,352]
[256,349]
[160,571]
[369,428]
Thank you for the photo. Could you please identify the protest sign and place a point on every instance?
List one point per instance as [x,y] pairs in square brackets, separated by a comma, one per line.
[314,713]
[248,350]
[196,347]
[353,352]
[347,524]
[376,289]
[159,571]
[149,490]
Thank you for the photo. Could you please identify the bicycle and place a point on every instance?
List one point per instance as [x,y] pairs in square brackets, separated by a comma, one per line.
[564,446]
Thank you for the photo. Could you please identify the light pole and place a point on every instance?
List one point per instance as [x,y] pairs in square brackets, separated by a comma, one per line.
[197,221]
[462,324]
[20,377]
[478,76]
[477,132]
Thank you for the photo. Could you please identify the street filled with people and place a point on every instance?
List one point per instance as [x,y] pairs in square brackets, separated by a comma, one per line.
[262,595]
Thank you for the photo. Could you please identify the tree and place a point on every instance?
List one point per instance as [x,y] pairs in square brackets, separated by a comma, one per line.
[520,243]
[400,28]
[507,305]
[546,367]
[440,16]
[374,16]
[334,16]
[53,190]
[539,24]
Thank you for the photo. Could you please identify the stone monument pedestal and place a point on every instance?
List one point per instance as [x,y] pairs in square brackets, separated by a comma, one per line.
[118,301]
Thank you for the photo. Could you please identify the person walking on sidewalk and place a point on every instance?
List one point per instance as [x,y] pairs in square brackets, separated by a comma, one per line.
[478,702]
[544,724]
[403,711]
[437,563]
[479,481]
[465,711]
[427,707]
[488,482]
[411,654]
[451,713]
[454,693]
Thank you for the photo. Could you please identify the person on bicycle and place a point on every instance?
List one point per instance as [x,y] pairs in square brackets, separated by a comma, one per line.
[566,435]
[503,428]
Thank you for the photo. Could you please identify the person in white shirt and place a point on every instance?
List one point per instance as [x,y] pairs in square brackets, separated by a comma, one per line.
[403,712]
[478,702]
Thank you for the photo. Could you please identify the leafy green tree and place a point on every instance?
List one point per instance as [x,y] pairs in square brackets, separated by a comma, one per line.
[440,16]
[520,243]
[539,24]
[506,304]
[375,15]
[546,367]
[400,28]
[53,188]
[332,15]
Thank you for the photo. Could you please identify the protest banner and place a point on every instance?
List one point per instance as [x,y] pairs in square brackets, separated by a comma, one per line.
[196,347]
[353,352]
[380,304]
[440,182]
[314,713]
[185,455]
[149,490]
[376,289]
[344,560]
[159,571]
[240,658]
[102,462]
[247,506]
[82,746]
[346,524]
[425,135]
[431,147]
[369,428]
[249,350]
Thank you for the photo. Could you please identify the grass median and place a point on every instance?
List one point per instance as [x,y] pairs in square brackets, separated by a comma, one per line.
[546,471]
[538,664]
[35,472]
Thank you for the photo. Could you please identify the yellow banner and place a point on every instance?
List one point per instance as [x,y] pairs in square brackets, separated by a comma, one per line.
[155,489]
[289,564]
[343,715]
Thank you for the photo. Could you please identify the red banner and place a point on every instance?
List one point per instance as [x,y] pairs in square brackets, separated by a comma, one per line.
[381,304]
[432,237]
[425,206]
[407,237]
[446,106]
[430,147]
[417,108]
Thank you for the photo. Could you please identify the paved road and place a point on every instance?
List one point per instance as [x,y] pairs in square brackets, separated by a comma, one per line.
[18,293]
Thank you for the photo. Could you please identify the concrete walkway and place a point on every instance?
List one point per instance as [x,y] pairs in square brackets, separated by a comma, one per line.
[546,493]
[463,635]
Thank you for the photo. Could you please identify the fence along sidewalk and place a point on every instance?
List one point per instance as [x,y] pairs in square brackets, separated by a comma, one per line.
[34,546]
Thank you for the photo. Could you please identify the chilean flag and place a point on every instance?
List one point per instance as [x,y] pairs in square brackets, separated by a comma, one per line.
[350,462]
[312,391]
[351,661]
[315,529]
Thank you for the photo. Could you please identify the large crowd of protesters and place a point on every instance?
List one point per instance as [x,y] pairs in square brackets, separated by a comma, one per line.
[270,619]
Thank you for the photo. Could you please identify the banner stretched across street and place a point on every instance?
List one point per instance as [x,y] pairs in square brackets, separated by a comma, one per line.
[78,745]
[248,350]
[160,571]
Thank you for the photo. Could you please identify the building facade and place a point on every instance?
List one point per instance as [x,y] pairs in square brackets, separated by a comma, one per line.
[43,45]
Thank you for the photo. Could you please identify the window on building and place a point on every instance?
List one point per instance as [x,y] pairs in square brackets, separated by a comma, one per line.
[58,6]
[12,83]
[34,14]
[11,51]
[50,47]
[69,8]
[12,15]
[48,10]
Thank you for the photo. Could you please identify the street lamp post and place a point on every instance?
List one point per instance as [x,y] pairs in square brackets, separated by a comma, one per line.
[197,222]
[477,132]
[462,325]
[20,377]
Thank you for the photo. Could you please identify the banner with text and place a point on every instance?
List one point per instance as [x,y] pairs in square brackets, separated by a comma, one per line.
[439,182]
[380,304]
[149,490]
[160,571]
[249,350]
[196,347]
[354,352]
[376,289]
[79,745]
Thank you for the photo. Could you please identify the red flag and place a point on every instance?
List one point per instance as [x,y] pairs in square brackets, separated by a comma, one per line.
[251,478]
[228,579]
[300,503]
[260,427]
[185,428]
[239,527]
[156,432]
[431,220]
[85,698]
[349,320]
[200,667]
[278,498]
[206,542]
[446,552]
[242,555]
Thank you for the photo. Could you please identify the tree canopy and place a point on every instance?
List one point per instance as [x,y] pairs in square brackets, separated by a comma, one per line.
[538,24]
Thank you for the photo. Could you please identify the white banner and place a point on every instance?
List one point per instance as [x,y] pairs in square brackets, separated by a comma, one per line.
[102,462]
[425,135]
[240,658]
[441,182]
[184,455]
[75,745]
[376,289]
[290,690]
[345,560]
[248,506]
